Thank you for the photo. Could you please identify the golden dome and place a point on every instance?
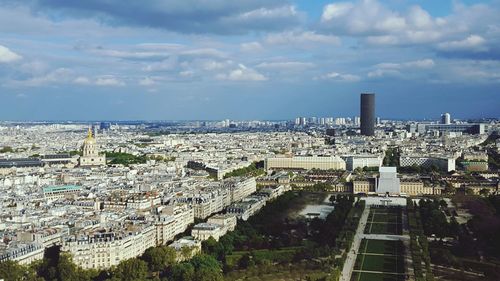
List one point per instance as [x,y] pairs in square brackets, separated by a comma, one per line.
[89,138]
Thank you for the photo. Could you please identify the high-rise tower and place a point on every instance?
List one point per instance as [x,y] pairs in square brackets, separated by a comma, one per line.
[446,119]
[368,114]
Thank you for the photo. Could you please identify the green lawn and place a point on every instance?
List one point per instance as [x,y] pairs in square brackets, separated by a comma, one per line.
[379,263]
[384,221]
[388,218]
[365,276]
[381,247]
[384,228]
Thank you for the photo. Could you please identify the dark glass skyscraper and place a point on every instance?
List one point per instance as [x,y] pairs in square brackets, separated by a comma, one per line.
[368,114]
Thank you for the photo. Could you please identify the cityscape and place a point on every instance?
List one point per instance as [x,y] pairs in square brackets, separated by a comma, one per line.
[242,159]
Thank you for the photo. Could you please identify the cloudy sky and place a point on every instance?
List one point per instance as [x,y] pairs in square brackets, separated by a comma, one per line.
[247,59]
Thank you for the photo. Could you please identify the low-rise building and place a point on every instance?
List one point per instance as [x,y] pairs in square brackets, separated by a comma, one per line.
[305,162]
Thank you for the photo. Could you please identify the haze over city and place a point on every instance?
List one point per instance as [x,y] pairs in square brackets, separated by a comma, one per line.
[273,59]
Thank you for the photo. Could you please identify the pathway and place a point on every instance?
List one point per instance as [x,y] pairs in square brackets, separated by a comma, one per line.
[351,256]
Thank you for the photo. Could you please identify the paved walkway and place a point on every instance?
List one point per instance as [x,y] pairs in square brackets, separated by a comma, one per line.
[386,237]
[351,256]
[381,272]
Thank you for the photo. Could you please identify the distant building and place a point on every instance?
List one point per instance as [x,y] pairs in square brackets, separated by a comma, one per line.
[388,181]
[59,159]
[91,155]
[445,118]
[367,114]
[305,162]
[444,163]
[58,192]
[186,247]
[104,249]
[23,253]
[473,129]
[20,163]
[361,161]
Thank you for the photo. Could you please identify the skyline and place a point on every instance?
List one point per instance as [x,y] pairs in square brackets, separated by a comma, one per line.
[272,60]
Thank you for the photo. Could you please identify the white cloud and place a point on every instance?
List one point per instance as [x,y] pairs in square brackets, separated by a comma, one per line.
[7,55]
[57,76]
[288,65]
[147,81]
[377,73]
[395,69]
[251,47]
[471,43]
[335,76]
[108,81]
[186,73]
[82,80]
[204,52]
[336,10]
[266,13]
[165,65]
[424,63]
[307,38]
[214,65]
[420,18]
[242,73]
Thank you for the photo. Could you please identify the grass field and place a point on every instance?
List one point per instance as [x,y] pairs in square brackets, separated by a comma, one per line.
[366,276]
[379,260]
[382,247]
[384,221]
[381,263]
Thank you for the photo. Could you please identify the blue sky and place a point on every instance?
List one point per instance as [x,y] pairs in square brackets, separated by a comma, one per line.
[247,59]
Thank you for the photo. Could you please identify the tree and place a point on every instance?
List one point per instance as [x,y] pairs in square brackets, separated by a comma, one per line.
[206,268]
[13,271]
[159,258]
[449,188]
[244,261]
[454,226]
[131,270]
[484,192]
[186,252]
[182,272]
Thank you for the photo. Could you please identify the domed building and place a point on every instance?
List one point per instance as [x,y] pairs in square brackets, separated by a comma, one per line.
[90,155]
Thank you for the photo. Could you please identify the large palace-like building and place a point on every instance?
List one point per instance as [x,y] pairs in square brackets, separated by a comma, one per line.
[91,155]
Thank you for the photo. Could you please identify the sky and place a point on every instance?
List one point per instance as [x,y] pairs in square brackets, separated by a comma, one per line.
[247,59]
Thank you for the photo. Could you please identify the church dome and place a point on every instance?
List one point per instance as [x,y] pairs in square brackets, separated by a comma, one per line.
[89,139]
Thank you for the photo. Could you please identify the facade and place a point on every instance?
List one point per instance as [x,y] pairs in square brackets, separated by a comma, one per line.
[244,210]
[363,186]
[239,189]
[104,249]
[165,230]
[22,253]
[186,248]
[446,119]
[204,231]
[474,129]
[59,159]
[226,221]
[361,161]
[367,114]
[91,156]
[443,162]
[475,166]
[58,192]
[416,188]
[305,163]
[388,181]
[20,163]
[183,215]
